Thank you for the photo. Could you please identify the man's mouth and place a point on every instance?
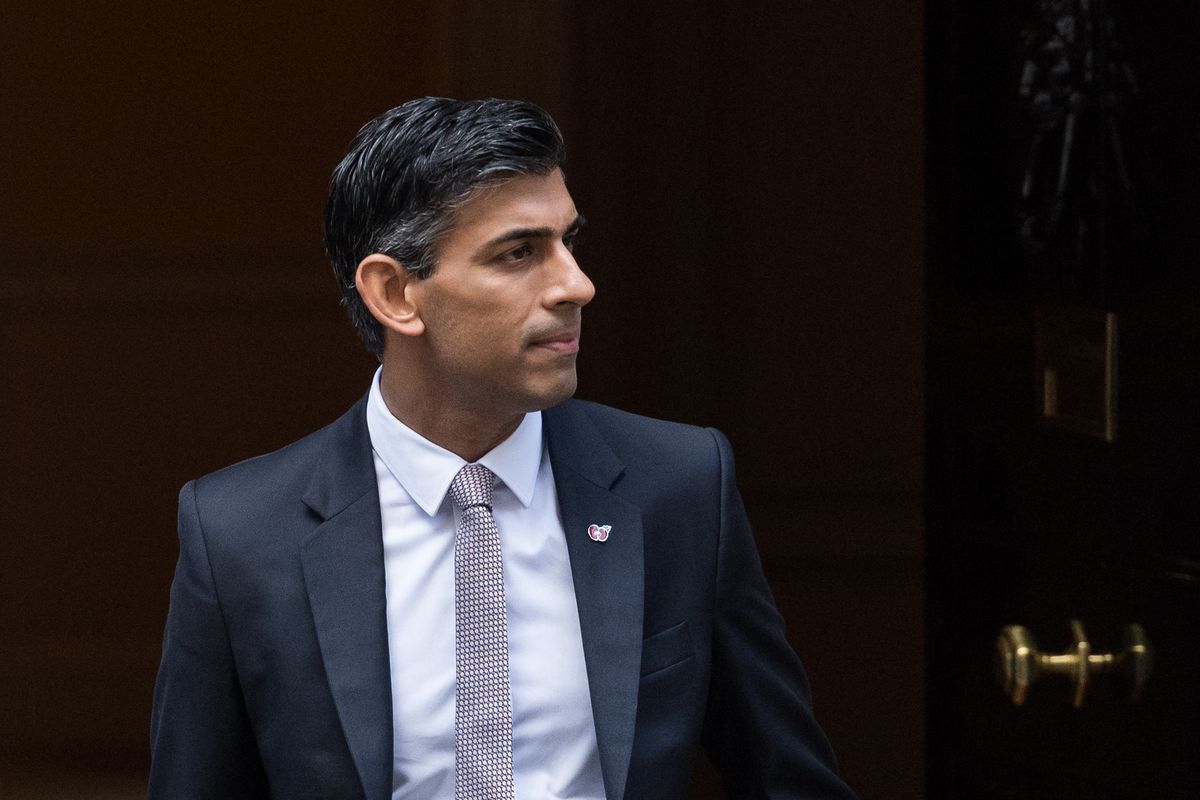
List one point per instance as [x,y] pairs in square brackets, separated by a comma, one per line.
[564,343]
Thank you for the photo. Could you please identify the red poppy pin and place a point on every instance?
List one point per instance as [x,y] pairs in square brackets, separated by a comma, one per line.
[599,533]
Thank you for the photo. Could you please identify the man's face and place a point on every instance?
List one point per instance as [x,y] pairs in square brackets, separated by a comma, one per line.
[502,307]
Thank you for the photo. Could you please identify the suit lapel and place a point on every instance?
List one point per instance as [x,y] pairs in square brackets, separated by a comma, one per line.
[343,573]
[608,580]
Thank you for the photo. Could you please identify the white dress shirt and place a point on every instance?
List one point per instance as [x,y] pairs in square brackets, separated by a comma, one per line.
[554,736]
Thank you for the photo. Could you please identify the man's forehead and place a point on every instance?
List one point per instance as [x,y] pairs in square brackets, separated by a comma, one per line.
[521,201]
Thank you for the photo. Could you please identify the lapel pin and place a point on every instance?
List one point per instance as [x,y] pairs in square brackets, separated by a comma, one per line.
[599,533]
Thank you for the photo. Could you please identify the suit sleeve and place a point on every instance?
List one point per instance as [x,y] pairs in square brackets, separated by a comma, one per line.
[759,729]
[201,743]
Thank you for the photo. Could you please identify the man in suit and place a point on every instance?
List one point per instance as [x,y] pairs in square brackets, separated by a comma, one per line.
[470,585]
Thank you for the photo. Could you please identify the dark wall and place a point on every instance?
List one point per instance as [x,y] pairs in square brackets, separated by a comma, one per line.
[752,177]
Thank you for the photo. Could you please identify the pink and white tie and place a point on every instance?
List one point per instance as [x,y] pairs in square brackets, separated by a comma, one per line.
[483,704]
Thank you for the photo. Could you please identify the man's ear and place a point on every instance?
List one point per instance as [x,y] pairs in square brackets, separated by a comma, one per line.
[385,286]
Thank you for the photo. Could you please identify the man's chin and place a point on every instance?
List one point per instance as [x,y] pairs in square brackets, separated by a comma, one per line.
[551,395]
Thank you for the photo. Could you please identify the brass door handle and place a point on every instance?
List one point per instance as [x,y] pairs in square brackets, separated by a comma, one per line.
[1019,663]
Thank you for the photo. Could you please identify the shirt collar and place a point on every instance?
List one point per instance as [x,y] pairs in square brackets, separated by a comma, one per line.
[425,470]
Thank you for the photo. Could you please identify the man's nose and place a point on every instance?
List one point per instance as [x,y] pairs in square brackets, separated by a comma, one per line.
[571,284]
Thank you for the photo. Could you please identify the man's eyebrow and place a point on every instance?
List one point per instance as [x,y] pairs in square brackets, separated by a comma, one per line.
[536,233]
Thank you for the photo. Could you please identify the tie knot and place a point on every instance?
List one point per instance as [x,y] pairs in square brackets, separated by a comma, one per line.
[472,486]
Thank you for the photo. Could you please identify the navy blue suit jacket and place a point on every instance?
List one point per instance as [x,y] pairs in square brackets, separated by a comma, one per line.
[275,680]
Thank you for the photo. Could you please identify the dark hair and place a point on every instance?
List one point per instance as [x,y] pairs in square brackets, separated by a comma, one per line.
[407,171]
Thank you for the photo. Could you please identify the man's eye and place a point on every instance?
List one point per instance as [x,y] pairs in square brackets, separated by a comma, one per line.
[570,240]
[518,253]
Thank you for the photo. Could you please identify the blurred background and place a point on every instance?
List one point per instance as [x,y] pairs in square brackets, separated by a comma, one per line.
[753,175]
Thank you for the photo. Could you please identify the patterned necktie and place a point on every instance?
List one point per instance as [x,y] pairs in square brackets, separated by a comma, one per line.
[483,706]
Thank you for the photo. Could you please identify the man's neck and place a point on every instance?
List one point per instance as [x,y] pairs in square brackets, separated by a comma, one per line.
[467,433]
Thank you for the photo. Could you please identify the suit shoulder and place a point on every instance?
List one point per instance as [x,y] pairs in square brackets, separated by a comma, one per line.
[282,473]
[627,431]
[271,465]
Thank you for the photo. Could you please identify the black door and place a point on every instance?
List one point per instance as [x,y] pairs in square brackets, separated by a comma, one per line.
[1064,399]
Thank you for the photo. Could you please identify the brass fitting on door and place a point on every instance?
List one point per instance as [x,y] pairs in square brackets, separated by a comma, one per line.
[1019,663]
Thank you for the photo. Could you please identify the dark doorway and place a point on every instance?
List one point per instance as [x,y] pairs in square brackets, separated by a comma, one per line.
[1063,374]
